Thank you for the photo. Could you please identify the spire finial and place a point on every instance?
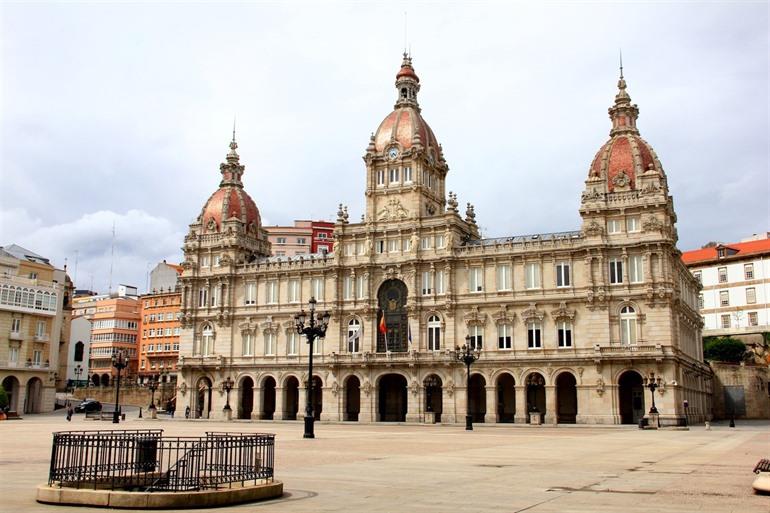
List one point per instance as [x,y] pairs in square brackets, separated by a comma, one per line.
[621,64]
[234,126]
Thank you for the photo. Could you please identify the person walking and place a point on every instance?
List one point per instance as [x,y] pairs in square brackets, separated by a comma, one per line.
[187,412]
[70,411]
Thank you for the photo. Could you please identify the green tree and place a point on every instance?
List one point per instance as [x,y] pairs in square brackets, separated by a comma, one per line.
[723,349]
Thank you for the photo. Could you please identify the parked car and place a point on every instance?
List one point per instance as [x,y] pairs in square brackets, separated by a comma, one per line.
[88,405]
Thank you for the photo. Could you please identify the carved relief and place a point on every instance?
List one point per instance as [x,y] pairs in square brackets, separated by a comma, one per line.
[532,313]
[593,228]
[393,211]
[621,180]
[563,312]
[475,318]
[591,195]
[652,224]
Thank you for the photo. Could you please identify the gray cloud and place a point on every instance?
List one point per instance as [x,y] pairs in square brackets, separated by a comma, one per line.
[120,108]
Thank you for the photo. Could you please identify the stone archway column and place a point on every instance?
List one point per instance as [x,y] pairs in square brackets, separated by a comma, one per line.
[330,404]
[256,401]
[366,412]
[490,417]
[414,403]
[551,415]
[448,401]
[520,415]
[301,401]
[280,401]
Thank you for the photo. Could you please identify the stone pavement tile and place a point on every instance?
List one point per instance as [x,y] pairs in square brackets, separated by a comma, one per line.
[386,468]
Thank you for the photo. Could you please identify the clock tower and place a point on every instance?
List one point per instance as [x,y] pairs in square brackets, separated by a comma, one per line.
[405,166]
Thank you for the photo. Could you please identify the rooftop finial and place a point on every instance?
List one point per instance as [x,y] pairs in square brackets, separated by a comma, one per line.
[406,32]
[621,63]
[234,124]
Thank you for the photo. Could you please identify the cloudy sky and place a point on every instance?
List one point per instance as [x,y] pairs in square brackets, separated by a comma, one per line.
[120,113]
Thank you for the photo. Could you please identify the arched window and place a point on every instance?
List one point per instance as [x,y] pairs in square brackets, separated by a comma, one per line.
[627,325]
[79,352]
[354,337]
[434,333]
[207,340]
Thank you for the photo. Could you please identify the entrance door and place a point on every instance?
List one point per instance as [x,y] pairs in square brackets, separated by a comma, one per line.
[630,397]
[268,399]
[247,398]
[392,398]
[478,392]
[352,399]
[291,398]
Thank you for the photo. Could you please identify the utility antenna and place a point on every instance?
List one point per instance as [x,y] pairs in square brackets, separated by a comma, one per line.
[406,31]
[233,127]
[112,256]
[75,277]
[621,63]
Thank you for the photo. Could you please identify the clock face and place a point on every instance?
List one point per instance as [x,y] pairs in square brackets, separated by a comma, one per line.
[393,153]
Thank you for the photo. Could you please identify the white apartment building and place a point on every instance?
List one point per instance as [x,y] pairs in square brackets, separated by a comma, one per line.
[734,297]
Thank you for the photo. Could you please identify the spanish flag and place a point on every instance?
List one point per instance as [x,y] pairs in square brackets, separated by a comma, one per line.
[382,328]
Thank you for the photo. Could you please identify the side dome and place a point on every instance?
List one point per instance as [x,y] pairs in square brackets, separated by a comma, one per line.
[626,156]
[230,201]
[405,125]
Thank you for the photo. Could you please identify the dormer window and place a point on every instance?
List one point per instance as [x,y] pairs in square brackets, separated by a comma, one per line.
[721,252]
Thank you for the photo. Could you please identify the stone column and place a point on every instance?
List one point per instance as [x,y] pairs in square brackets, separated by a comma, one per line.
[279,402]
[551,415]
[448,402]
[256,394]
[302,402]
[520,417]
[413,403]
[366,413]
[330,405]
[491,415]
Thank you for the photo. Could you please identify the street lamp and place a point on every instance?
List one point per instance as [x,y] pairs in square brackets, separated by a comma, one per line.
[227,385]
[153,386]
[653,383]
[467,355]
[315,328]
[120,362]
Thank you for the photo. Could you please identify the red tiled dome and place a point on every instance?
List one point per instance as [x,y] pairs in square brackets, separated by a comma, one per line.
[624,153]
[401,126]
[228,202]
[407,71]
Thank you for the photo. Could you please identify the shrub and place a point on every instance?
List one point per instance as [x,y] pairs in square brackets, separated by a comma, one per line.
[3,399]
[723,349]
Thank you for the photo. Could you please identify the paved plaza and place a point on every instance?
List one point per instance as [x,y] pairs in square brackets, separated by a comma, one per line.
[502,468]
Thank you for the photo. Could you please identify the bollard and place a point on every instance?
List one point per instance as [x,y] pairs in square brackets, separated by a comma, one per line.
[708,426]
[140,412]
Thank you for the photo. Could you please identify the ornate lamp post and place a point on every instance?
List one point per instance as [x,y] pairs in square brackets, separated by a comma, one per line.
[153,386]
[315,328]
[120,362]
[653,383]
[468,355]
[228,385]
[78,372]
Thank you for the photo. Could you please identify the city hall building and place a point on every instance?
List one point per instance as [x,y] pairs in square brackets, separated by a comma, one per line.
[571,325]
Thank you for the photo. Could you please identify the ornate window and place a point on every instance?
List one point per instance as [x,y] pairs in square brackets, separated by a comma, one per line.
[427,283]
[614,226]
[504,277]
[439,282]
[475,280]
[477,334]
[628,323]
[294,291]
[250,294]
[616,271]
[564,330]
[291,342]
[504,336]
[203,297]
[271,292]
[636,269]
[534,334]
[563,278]
[269,343]
[434,333]
[248,343]
[632,224]
[317,288]
[354,336]
[532,276]
[207,340]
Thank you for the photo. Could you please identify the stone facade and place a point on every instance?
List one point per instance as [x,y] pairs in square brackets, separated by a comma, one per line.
[742,390]
[570,324]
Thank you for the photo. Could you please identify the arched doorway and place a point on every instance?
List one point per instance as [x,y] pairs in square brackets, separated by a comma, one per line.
[477,389]
[392,398]
[34,398]
[630,397]
[291,398]
[268,399]
[391,299]
[105,381]
[535,395]
[434,401]
[11,386]
[95,380]
[203,399]
[352,399]
[246,392]
[566,398]
[506,398]
[317,397]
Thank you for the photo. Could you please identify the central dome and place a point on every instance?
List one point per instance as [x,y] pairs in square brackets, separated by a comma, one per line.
[405,126]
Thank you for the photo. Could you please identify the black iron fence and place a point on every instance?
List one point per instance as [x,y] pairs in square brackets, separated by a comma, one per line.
[145,460]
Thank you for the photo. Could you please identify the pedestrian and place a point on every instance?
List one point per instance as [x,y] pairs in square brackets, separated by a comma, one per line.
[69,412]
[187,412]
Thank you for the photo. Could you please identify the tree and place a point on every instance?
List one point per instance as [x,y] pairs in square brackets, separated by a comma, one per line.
[723,349]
